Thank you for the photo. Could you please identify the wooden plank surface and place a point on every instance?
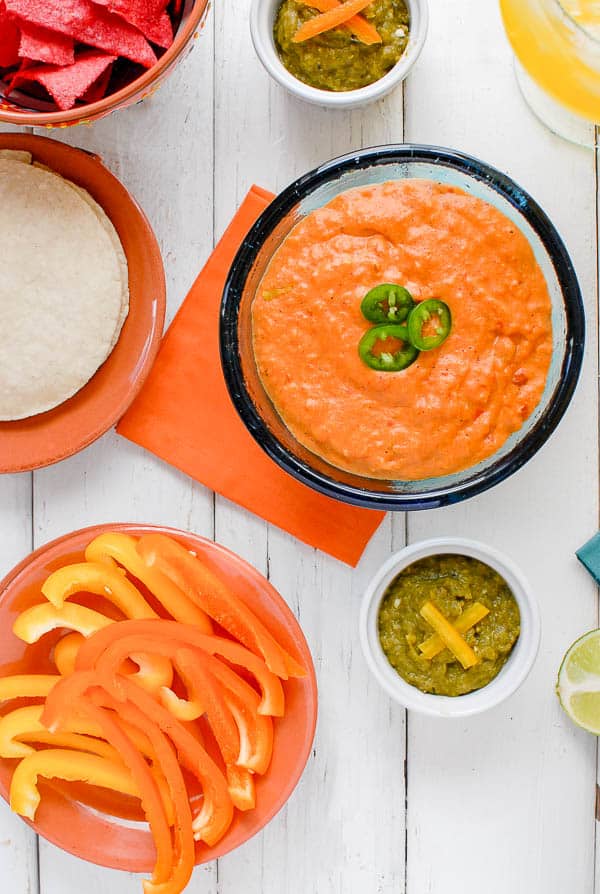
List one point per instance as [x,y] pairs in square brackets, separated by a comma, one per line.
[512,790]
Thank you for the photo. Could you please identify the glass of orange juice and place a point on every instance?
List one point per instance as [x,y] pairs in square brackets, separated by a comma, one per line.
[557,47]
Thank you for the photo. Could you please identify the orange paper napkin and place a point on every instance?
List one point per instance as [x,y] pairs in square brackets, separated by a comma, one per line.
[184,415]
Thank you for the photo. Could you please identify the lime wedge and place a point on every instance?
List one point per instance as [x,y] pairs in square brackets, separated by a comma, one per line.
[578,686]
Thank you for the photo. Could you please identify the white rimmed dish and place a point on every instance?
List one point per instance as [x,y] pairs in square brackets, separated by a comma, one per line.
[512,674]
[262,19]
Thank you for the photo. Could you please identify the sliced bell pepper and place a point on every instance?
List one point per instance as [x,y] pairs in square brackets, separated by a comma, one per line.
[121,548]
[38,620]
[24,725]
[27,686]
[471,616]
[65,652]
[110,582]
[241,787]
[102,580]
[167,759]
[59,763]
[216,813]
[111,646]
[151,798]
[183,709]
[449,635]
[208,591]
[35,622]
[255,730]
[195,674]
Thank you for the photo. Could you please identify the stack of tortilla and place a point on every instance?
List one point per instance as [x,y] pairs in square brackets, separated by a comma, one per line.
[64,292]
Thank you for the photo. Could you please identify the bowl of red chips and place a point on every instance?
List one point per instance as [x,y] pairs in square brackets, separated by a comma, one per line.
[66,62]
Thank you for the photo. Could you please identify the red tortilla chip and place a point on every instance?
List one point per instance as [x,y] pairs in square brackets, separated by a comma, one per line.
[67,83]
[9,39]
[86,22]
[98,89]
[146,15]
[45,46]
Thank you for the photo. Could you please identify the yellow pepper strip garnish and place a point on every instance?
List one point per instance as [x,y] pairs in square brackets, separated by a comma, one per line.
[38,620]
[101,579]
[65,652]
[27,686]
[465,622]
[121,548]
[72,766]
[449,635]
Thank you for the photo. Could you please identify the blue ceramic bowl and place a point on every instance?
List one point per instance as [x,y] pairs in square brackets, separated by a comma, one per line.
[316,189]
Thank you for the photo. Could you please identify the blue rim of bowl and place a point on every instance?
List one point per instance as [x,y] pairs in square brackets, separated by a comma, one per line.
[246,257]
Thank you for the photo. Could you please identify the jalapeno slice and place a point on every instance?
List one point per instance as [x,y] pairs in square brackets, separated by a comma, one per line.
[429,324]
[397,357]
[387,303]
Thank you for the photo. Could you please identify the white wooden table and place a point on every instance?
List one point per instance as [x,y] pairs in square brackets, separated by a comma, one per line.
[504,802]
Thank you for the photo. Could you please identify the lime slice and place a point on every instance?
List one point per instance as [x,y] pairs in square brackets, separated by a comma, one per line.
[578,686]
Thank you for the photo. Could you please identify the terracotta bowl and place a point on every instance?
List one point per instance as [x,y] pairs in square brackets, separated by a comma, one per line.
[21,109]
[63,817]
[49,437]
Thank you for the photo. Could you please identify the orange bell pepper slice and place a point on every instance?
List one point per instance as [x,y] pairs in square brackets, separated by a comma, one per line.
[201,585]
[241,787]
[216,813]
[59,763]
[217,809]
[167,759]
[116,547]
[255,730]
[65,652]
[152,802]
[192,669]
[27,686]
[110,646]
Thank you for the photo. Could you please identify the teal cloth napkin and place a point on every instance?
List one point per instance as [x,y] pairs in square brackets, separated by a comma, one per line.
[589,555]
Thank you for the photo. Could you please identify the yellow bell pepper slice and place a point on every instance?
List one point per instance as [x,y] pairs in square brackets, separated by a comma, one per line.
[465,622]
[27,686]
[65,653]
[100,579]
[121,548]
[449,635]
[59,763]
[104,579]
[154,670]
[38,620]
[79,733]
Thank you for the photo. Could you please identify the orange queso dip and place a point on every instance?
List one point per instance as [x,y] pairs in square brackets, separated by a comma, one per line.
[451,408]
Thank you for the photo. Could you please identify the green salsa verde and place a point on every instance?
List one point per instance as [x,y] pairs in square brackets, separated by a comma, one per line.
[337,60]
[452,583]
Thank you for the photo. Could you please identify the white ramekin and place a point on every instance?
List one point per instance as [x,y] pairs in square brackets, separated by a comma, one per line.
[262,18]
[512,674]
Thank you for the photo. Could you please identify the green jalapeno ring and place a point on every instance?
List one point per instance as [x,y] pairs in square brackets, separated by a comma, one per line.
[422,314]
[387,361]
[387,303]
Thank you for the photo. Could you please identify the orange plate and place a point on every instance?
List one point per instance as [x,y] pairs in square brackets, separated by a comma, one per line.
[103,839]
[49,437]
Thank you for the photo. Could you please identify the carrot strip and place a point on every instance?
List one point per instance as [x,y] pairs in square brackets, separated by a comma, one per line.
[357,25]
[330,19]
[449,635]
